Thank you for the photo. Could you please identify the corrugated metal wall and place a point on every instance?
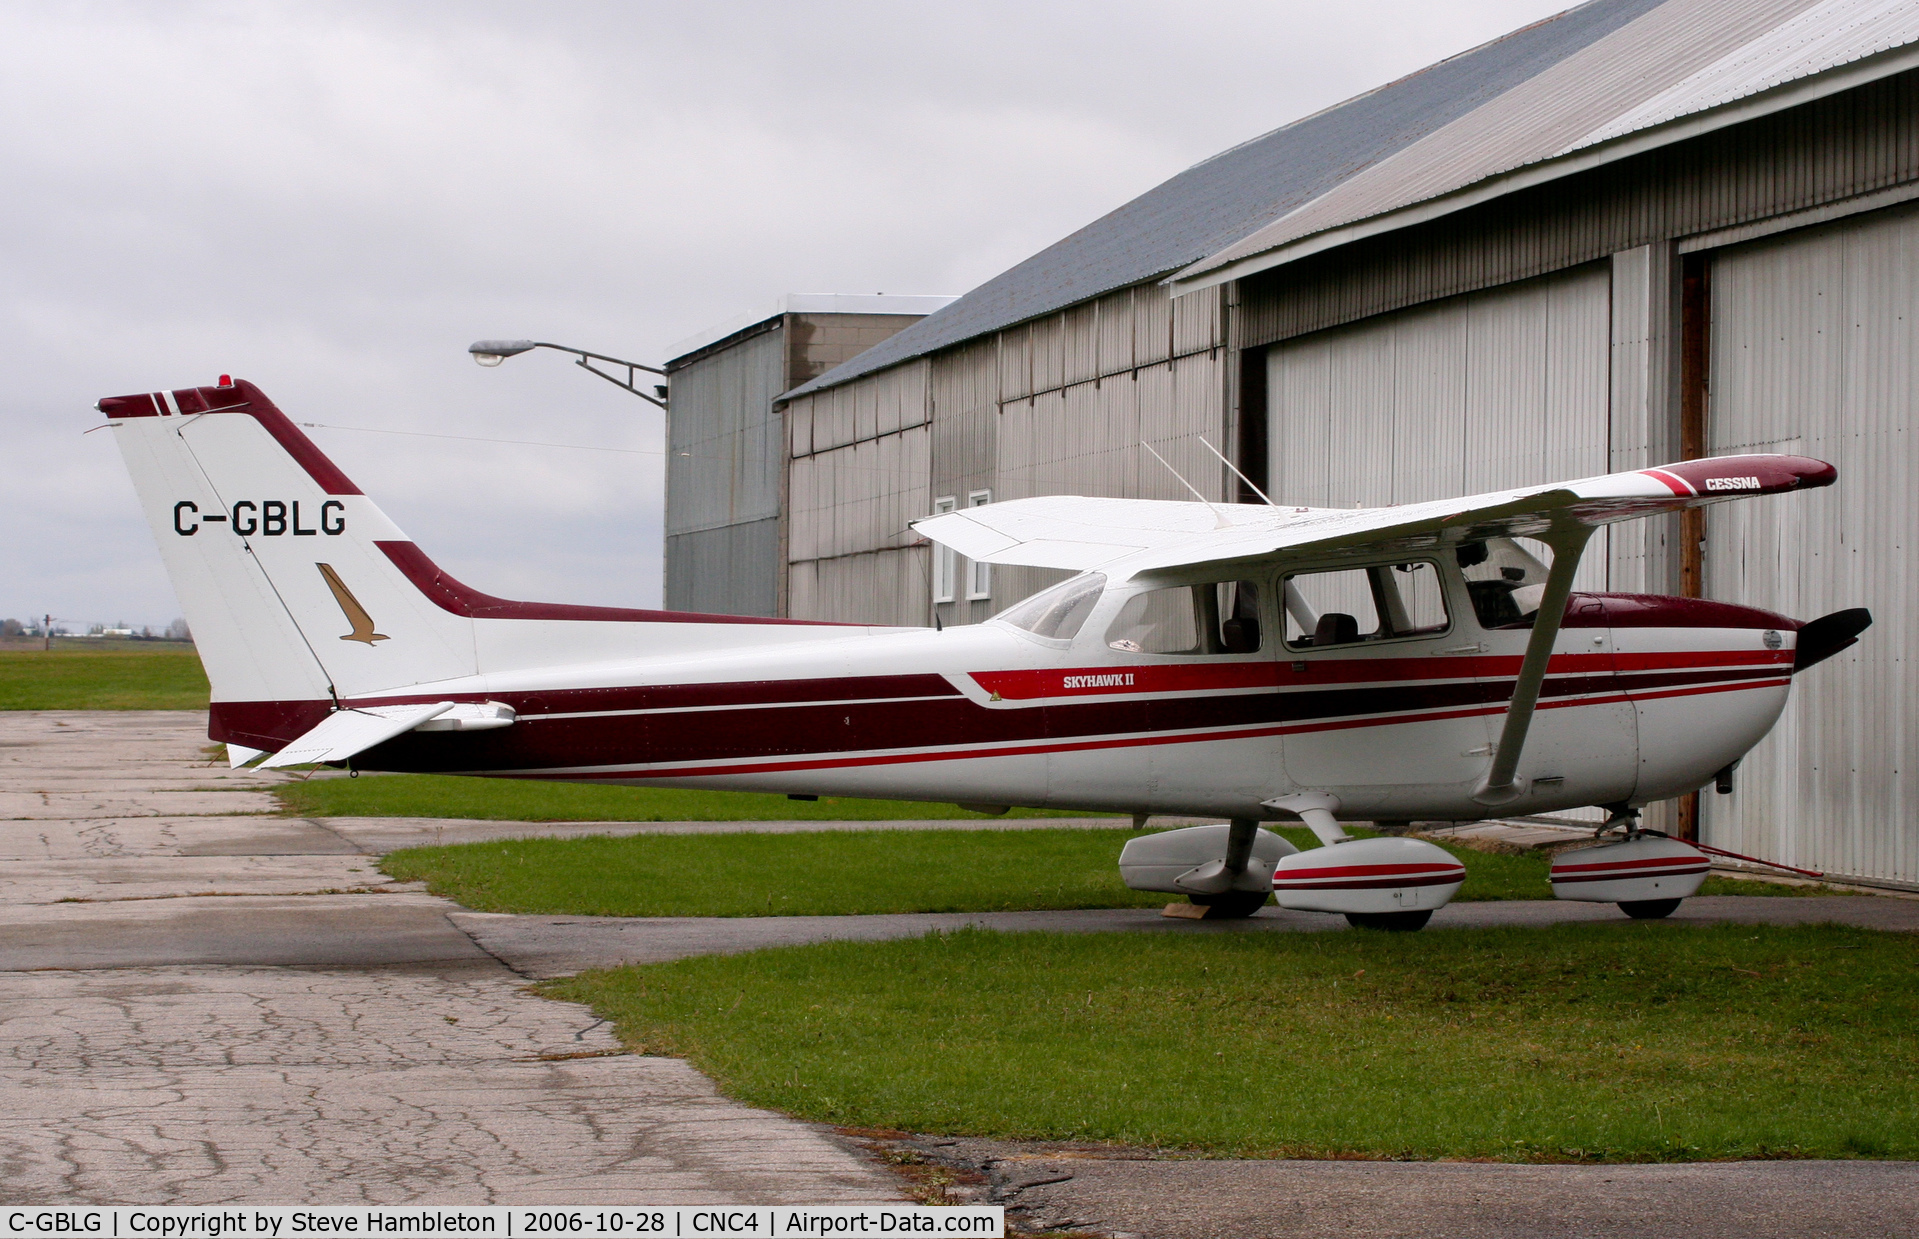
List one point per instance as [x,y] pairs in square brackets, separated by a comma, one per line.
[728,570]
[1645,394]
[1059,405]
[1079,392]
[724,473]
[1509,387]
[1814,341]
[860,469]
[965,451]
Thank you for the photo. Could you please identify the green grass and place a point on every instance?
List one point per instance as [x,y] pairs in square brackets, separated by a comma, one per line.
[525,800]
[835,873]
[1592,1042]
[817,873]
[131,680]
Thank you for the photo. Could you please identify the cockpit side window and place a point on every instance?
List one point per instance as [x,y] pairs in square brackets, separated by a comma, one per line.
[1504,580]
[1220,617]
[1057,612]
[1352,605]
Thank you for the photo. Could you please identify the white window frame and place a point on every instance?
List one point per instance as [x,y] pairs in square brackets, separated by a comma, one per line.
[979,576]
[945,559]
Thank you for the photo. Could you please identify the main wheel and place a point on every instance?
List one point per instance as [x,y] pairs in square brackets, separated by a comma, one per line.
[1398,922]
[1648,909]
[1231,905]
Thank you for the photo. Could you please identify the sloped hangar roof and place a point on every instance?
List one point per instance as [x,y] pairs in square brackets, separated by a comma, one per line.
[1598,82]
[1684,68]
[1242,190]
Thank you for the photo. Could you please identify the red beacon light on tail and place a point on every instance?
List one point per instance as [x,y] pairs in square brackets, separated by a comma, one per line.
[226,381]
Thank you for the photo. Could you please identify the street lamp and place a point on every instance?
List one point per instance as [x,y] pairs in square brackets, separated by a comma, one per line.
[493,352]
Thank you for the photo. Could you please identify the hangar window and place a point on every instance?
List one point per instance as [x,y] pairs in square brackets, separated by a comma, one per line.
[1059,611]
[945,558]
[1380,603]
[1504,580]
[1217,618]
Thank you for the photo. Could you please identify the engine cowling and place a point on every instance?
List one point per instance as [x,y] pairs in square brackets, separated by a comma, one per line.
[1630,871]
[1369,876]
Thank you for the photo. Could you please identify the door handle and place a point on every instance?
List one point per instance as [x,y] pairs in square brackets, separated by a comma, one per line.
[1464,649]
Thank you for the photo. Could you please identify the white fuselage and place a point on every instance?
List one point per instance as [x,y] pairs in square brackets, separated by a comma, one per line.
[990,714]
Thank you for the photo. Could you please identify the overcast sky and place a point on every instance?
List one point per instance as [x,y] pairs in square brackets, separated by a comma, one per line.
[334,199]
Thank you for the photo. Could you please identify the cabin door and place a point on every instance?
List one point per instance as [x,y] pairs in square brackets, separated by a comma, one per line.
[1380,687]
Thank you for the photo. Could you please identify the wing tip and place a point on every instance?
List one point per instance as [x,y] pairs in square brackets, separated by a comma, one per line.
[1733,476]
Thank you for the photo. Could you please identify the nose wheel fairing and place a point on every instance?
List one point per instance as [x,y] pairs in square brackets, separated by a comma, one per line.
[1640,875]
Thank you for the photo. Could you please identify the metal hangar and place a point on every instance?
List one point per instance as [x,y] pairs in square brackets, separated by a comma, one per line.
[1635,232]
[726,467]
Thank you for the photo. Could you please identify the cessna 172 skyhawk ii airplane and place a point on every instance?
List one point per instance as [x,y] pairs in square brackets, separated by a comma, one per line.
[1255,663]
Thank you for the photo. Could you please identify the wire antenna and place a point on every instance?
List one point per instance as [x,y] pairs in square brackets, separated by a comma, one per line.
[1236,473]
[1218,515]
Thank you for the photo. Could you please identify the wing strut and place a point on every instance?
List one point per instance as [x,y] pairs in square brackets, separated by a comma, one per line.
[1569,543]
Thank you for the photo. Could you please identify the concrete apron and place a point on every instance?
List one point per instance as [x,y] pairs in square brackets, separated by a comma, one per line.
[202,1005]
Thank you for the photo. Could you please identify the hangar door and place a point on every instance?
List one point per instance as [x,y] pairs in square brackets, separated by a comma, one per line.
[1814,342]
[1508,387]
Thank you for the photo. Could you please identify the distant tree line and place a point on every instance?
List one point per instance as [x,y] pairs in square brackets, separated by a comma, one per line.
[176,631]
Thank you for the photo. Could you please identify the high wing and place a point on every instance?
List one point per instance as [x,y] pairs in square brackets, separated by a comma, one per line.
[1076,532]
[1079,531]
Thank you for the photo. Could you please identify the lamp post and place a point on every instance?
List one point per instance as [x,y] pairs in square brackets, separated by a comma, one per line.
[493,352]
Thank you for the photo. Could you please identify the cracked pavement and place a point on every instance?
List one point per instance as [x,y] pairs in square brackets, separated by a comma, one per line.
[201,1005]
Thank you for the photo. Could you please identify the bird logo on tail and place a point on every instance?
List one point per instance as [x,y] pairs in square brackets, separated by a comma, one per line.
[355,613]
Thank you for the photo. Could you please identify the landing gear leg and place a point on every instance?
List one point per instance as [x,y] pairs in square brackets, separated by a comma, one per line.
[1621,817]
[1235,905]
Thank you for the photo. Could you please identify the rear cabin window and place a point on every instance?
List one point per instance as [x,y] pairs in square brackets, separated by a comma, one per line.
[1384,602]
[1218,618]
[1057,612]
[1504,580]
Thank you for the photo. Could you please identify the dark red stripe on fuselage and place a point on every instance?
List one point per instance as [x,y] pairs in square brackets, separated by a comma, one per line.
[273,723]
[813,719]
[1093,682]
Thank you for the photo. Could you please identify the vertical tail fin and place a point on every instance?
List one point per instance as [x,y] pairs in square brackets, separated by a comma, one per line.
[284,568]
[302,594]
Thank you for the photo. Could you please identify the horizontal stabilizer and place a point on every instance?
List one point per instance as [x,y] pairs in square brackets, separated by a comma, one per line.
[346,732]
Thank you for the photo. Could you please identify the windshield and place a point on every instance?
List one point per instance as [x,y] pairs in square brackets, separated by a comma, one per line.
[1059,611]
